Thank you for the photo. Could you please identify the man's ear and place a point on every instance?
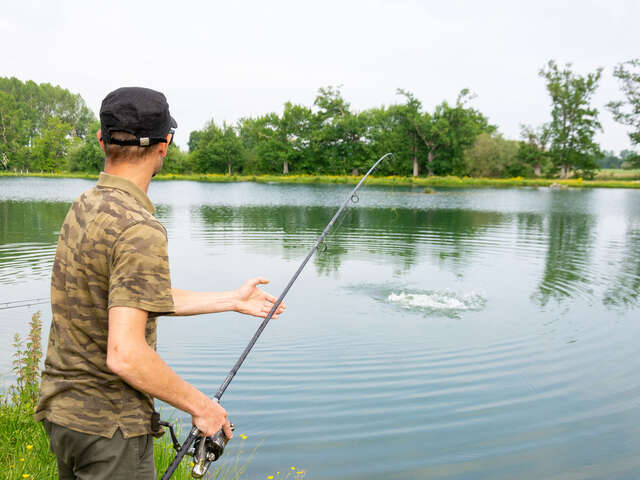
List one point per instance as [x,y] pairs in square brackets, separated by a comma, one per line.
[100,141]
[163,147]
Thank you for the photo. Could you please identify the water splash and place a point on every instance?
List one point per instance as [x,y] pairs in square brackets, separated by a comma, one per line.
[439,302]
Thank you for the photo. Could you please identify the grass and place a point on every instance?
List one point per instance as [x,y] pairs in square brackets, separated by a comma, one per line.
[24,445]
[604,179]
[618,174]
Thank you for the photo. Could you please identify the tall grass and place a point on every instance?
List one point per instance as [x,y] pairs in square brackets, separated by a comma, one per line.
[24,445]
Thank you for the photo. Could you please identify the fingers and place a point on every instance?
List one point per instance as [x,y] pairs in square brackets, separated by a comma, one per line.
[270,298]
[227,430]
[267,306]
[258,281]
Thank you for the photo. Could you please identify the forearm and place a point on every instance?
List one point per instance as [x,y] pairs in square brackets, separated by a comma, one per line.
[144,370]
[195,303]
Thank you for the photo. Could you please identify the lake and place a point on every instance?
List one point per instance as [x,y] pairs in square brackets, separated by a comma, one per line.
[466,334]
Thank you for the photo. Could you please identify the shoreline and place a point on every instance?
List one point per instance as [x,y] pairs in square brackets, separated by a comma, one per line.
[448,181]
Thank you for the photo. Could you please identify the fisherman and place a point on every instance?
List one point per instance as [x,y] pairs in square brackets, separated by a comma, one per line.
[109,284]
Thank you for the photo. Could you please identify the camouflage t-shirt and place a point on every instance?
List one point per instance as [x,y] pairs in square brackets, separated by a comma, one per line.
[112,252]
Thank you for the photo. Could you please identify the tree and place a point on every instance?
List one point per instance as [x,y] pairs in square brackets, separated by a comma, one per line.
[12,138]
[386,132]
[176,161]
[36,117]
[628,112]
[86,155]
[534,149]
[493,156]
[609,160]
[215,149]
[338,135]
[292,131]
[445,134]
[50,148]
[411,118]
[630,159]
[574,121]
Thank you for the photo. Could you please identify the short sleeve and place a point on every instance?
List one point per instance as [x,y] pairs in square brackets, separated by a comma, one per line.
[139,275]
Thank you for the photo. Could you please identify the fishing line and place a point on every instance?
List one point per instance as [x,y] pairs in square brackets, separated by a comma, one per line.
[23,303]
[209,449]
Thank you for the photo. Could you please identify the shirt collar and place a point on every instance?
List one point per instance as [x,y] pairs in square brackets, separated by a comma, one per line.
[121,183]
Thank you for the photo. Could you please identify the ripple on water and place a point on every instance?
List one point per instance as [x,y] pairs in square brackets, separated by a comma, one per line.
[24,261]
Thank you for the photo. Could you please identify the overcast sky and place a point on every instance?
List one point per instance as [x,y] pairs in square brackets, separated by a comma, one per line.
[226,60]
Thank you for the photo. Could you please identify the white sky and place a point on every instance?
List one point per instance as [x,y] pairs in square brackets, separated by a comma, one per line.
[226,60]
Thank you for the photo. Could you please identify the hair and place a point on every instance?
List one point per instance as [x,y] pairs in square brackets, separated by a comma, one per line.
[120,153]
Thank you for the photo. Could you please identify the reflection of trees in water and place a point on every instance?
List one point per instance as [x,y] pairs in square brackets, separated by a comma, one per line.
[570,239]
[389,233]
[28,235]
[31,221]
[529,224]
[625,291]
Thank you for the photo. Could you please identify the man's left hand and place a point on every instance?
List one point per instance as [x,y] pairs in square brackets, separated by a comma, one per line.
[254,301]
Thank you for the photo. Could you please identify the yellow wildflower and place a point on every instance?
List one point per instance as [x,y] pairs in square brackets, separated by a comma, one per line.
[29,447]
[243,437]
[270,477]
[22,459]
[25,475]
[293,468]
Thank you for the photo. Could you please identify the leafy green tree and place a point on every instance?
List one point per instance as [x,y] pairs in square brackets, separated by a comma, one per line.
[630,159]
[282,140]
[445,134]
[86,155]
[295,131]
[49,149]
[574,121]
[339,135]
[413,122]
[38,117]
[176,161]
[12,138]
[386,132]
[216,149]
[627,112]
[609,160]
[534,149]
[493,156]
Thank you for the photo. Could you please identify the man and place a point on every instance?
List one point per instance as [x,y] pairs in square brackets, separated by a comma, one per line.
[110,281]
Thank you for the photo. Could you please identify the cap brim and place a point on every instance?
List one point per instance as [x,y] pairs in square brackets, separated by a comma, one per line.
[173,122]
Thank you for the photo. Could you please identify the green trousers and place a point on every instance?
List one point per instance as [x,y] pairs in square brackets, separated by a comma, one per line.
[91,457]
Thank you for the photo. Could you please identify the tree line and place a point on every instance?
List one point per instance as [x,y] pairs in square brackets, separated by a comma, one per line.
[48,128]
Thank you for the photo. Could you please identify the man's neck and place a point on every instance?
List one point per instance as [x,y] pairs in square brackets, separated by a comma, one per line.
[135,173]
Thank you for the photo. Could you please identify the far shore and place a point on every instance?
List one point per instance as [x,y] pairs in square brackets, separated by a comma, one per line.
[604,179]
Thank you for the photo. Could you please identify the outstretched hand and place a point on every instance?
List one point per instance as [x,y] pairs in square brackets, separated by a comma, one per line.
[254,301]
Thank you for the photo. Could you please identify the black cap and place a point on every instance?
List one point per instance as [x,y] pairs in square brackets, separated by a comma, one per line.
[139,111]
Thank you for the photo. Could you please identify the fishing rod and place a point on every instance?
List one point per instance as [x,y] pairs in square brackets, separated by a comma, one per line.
[208,449]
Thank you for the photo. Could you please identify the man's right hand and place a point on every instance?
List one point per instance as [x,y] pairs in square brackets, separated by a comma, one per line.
[212,419]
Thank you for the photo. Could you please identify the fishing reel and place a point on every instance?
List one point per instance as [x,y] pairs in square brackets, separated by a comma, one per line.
[205,450]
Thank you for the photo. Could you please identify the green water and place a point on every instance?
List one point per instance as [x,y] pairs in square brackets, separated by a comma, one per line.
[470,334]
